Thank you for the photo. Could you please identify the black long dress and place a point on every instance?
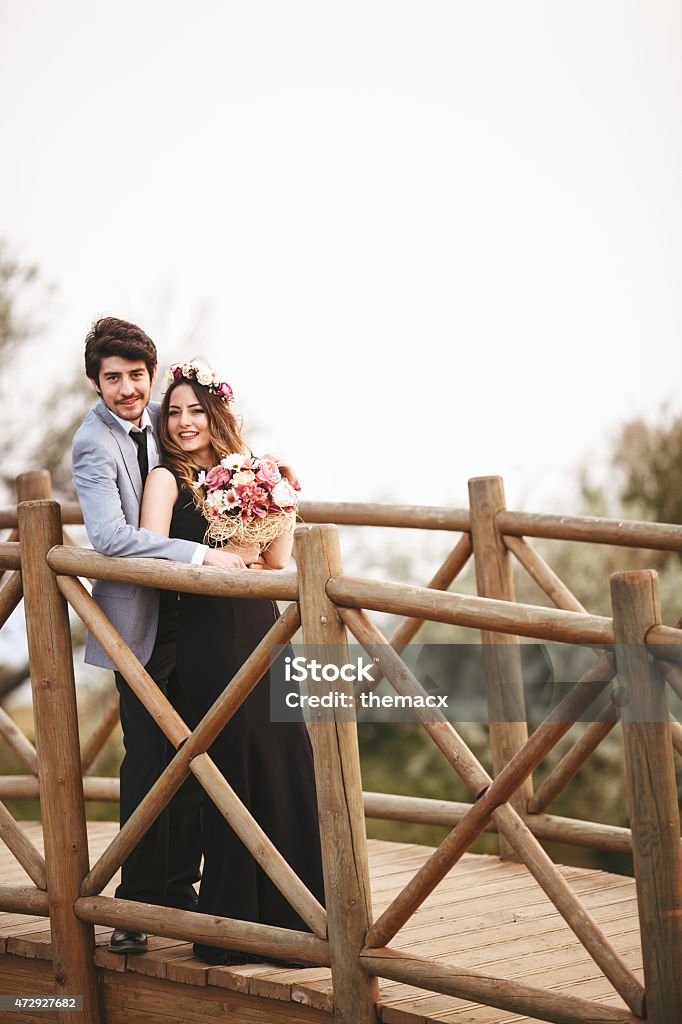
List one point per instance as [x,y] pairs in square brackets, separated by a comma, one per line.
[268,764]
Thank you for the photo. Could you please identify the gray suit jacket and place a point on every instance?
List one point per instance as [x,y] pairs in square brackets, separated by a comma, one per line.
[107,479]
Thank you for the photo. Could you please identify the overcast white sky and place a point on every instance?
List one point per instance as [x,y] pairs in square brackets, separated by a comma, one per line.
[423,241]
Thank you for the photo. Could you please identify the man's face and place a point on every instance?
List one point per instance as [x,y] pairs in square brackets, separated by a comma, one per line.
[125,386]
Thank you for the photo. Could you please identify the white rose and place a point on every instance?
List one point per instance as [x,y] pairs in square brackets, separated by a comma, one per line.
[216,499]
[204,377]
[284,495]
[245,476]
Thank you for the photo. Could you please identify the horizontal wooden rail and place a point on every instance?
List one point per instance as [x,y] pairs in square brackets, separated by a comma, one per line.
[23,899]
[228,933]
[25,787]
[343,513]
[463,983]
[477,612]
[447,813]
[71,515]
[276,584]
[665,642]
[11,538]
[10,555]
[423,517]
[593,529]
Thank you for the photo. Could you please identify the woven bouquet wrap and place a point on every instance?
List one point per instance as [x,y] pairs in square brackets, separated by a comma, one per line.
[245,500]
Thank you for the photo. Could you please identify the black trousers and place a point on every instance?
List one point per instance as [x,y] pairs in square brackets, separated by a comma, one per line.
[165,863]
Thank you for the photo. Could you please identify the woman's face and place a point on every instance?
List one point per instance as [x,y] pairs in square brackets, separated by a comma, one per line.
[188,424]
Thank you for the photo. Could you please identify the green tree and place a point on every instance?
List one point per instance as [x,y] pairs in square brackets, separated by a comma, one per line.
[42,439]
[22,296]
[39,438]
[643,473]
[648,459]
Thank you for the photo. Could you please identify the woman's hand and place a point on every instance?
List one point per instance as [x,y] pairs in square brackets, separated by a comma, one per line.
[258,564]
[248,552]
[278,552]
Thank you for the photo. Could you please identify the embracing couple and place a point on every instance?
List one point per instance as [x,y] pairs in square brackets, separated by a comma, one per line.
[135,470]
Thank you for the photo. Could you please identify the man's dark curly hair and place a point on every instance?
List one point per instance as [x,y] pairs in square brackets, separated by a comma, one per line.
[113,337]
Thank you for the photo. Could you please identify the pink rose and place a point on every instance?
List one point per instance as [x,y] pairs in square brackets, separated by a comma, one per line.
[217,477]
[225,391]
[268,473]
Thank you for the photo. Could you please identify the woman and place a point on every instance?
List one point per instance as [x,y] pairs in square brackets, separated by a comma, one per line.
[268,764]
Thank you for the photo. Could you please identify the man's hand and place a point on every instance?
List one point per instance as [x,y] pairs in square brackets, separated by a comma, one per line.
[223,559]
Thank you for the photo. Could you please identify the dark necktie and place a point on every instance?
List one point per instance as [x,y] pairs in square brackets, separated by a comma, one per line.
[140,439]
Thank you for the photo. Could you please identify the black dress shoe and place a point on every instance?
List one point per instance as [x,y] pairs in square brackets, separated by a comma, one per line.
[124,941]
[218,957]
[184,902]
[270,961]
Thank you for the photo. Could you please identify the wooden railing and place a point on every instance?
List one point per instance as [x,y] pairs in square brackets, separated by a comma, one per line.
[326,604]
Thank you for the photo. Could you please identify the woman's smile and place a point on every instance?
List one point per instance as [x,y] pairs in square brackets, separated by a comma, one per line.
[188,424]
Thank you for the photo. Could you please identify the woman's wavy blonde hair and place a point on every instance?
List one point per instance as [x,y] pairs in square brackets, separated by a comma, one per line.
[223,430]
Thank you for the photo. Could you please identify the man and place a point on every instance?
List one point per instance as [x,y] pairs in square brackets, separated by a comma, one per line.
[113,450]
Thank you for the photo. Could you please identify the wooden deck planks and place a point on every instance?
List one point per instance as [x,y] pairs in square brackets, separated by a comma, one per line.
[486,915]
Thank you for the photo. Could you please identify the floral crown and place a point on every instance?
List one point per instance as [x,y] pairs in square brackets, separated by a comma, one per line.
[202,374]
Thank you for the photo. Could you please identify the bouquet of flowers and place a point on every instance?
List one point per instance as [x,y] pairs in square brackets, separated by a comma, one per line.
[245,500]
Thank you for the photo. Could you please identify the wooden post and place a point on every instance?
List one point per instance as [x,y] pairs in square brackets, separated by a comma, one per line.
[339,787]
[61,787]
[652,793]
[34,485]
[501,656]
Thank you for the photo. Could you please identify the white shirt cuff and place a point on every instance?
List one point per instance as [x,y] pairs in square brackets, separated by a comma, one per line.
[199,555]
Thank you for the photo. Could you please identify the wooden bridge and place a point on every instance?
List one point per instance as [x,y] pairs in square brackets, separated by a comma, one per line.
[410,933]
